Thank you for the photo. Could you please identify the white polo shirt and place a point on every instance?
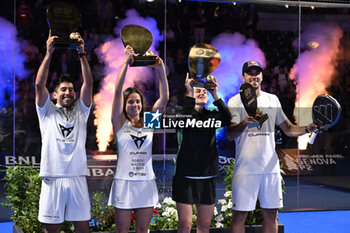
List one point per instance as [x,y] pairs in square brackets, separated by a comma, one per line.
[63,137]
[255,148]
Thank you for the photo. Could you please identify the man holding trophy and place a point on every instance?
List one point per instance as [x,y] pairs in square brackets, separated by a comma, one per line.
[257,170]
[63,167]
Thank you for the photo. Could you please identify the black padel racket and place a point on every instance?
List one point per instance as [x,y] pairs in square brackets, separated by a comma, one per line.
[325,112]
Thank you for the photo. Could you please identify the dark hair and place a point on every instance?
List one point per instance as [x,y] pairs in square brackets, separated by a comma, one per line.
[126,95]
[63,78]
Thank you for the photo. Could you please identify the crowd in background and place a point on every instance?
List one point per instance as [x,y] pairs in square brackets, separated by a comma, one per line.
[187,23]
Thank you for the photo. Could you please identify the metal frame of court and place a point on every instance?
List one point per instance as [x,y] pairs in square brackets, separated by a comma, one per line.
[325,3]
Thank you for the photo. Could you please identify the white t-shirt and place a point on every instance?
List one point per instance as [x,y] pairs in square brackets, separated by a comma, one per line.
[255,148]
[63,137]
[134,153]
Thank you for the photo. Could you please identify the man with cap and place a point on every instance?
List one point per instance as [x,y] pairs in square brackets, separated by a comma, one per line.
[257,171]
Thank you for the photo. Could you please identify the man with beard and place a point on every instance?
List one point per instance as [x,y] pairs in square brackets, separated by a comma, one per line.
[64,194]
[257,171]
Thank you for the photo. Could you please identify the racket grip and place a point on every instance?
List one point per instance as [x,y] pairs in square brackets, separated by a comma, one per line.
[312,138]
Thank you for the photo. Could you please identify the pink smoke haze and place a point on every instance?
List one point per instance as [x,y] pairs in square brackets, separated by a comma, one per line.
[235,49]
[112,53]
[315,67]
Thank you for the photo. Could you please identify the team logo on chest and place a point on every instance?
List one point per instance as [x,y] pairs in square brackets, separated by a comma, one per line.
[66,131]
[138,140]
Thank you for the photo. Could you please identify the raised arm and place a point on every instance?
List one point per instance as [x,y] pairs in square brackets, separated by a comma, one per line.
[41,92]
[163,86]
[118,117]
[223,114]
[86,88]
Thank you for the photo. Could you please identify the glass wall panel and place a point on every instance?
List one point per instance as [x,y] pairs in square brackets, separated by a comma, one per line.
[9,51]
[324,165]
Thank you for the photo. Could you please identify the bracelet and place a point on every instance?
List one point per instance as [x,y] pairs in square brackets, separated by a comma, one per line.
[307,130]
[82,54]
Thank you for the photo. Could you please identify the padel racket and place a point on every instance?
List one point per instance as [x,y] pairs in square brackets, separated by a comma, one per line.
[325,112]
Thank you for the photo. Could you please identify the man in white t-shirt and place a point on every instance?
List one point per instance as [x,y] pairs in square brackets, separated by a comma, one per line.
[64,194]
[257,172]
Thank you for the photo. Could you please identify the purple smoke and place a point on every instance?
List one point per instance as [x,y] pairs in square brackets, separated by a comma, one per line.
[234,49]
[11,62]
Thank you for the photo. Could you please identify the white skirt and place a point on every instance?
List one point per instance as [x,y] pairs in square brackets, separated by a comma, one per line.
[127,194]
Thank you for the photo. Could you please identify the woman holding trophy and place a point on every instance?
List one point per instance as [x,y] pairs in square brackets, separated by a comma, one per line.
[197,161]
[134,188]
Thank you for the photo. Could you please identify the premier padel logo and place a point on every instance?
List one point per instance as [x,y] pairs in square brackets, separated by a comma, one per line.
[138,140]
[65,131]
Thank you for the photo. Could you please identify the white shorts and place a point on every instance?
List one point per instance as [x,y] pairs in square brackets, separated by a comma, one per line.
[64,199]
[247,188]
[127,194]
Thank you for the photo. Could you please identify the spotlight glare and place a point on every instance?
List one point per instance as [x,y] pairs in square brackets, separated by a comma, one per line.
[286,5]
[234,3]
[312,7]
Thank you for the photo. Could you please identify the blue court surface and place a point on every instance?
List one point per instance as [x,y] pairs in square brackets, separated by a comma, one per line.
[316,221]
[294,222]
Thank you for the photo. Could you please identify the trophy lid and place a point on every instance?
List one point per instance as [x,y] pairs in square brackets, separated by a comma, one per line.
[63,18]
[139,38]
[203,60]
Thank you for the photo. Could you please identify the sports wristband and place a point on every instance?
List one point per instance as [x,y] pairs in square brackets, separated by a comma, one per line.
[307,130]
[82,54]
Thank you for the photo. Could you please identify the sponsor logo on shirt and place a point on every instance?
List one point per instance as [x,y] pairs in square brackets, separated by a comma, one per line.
[65,131]
[258,134]
[138,140]
[131,174]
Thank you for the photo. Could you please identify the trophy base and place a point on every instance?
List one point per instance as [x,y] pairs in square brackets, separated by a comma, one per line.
[208,86]
[253,125]
[259,122]
[65,43]
[144,60]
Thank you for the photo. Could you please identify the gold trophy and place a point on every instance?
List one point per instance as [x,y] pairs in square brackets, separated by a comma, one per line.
[250,103]
[63,20]
[140,39]
[202,61]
